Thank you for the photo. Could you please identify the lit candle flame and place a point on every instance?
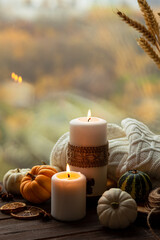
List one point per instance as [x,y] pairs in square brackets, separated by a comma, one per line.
[68,170]
[89,115]
[20,79]
[12,75]
[16,78]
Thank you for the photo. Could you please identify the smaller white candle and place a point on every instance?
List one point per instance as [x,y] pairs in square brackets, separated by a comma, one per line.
[68,196]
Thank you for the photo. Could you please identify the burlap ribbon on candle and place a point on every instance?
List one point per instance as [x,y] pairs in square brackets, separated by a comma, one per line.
[87,157]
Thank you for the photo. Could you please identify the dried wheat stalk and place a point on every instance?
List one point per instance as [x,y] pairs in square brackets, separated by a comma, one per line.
[149,50]
[149,16]
[139,27]
[150,32]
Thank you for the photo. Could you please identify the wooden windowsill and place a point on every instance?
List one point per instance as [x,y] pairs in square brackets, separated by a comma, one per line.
[87,228]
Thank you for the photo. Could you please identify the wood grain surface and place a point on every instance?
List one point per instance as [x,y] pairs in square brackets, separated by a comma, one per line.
[87,228]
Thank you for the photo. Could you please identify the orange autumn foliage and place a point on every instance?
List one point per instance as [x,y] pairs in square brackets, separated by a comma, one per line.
[36,185]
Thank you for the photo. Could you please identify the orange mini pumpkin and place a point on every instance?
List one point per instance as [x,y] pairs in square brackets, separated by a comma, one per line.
[36,185]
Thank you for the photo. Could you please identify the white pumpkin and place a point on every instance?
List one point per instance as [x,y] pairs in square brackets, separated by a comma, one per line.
[12,180]
[116,209]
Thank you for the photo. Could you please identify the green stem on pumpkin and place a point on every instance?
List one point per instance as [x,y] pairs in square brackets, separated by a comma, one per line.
[43,163]
[134,171]
[32,176]
[115,205]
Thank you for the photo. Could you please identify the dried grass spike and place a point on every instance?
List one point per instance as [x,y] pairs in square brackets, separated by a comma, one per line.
[138,26]
[149,16]
[149,50]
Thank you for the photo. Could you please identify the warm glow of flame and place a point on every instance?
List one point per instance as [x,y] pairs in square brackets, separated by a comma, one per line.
[16,78]
[89,115]
[20,79]
[68,171]
[12,75]
[68,168]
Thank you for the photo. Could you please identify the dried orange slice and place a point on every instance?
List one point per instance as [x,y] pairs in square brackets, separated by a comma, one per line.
[13,207]
[30,212]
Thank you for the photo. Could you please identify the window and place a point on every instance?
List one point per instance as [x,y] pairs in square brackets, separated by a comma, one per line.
[72,55]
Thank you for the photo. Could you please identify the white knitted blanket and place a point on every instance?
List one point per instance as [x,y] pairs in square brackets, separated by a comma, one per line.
[133,146]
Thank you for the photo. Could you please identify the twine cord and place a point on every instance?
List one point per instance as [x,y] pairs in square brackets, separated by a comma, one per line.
[149,225]
[153,206]
[87,157]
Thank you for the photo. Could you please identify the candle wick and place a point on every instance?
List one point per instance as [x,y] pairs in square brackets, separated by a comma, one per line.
[68,175]
[89,119]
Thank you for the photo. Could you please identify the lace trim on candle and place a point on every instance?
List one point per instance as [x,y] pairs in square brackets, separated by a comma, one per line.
[87,157]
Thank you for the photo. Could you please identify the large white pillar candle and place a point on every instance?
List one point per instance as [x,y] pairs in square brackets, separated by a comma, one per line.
[68,196]
[90,132]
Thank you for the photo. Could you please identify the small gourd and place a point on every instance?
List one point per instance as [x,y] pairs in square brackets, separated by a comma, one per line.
[136,183]
[12,180]
[36,185]
[116,209]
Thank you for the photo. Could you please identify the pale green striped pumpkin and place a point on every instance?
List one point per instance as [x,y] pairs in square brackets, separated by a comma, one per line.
[136,183]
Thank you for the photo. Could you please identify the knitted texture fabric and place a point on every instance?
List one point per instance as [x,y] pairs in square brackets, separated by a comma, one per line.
[58,156]
[133,146]
[118,154]
[144,150]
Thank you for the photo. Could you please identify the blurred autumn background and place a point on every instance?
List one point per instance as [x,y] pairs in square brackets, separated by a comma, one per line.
[72,55]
